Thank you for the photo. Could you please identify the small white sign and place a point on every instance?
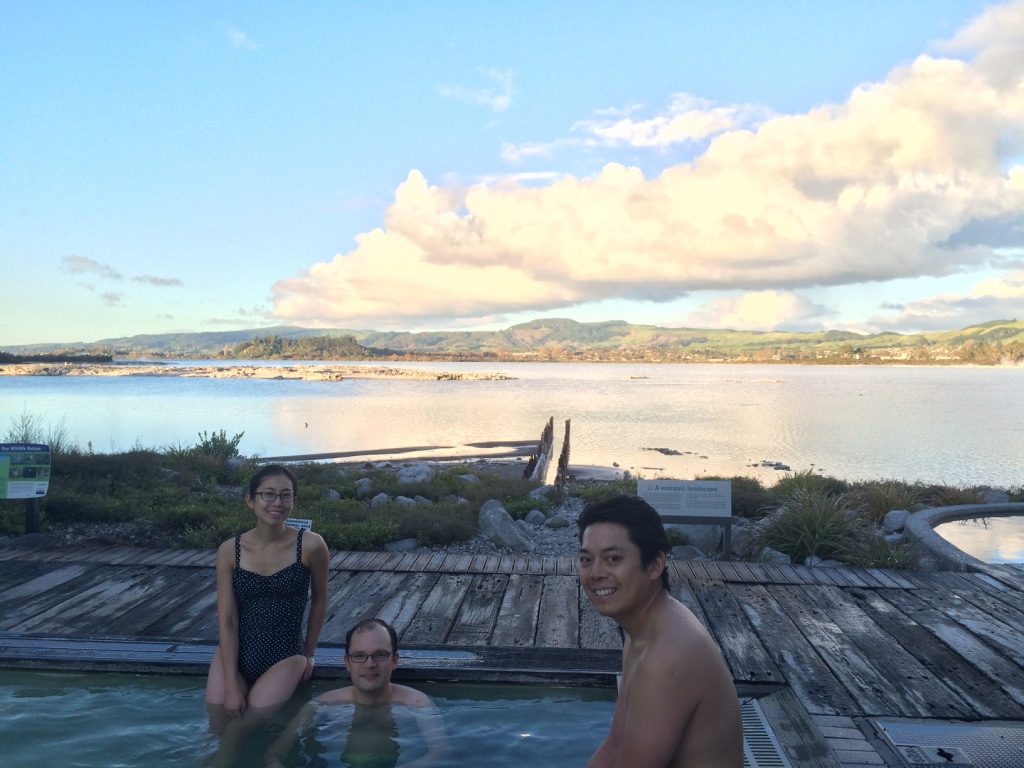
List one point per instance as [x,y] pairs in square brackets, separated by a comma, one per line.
[694,498]
[300,522]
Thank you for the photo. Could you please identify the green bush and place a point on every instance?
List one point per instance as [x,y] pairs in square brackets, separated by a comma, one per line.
[812,523]
[877,498]
[807,481]
[939,495]
[749,497]
[869,550]
[592,492]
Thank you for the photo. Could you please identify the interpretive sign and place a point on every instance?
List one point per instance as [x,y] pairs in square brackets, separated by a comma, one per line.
[24,470]
[300,523]
[690,498]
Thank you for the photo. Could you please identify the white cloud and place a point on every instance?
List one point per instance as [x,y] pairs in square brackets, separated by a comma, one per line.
[997,298]
[496,96]
[83,265]
[239,40]
[758,311]
[908,177]
[159,282]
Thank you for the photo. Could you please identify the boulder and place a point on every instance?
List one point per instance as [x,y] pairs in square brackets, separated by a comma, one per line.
[400,545]
[417,473]
[895,539]
[894,520]
[557,521]
[380,500]
[405,501]
[744,540]
[769,555]
[535,517]
[543,492]
[497,525]
[423,501]
[686,552]
[364,487]
[331,495]
[707,538]
[469,479]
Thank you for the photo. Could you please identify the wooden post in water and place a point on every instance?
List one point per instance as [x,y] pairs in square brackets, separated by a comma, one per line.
[562,475]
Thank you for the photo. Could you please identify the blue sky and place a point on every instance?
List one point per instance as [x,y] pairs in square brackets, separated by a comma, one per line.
[195,166]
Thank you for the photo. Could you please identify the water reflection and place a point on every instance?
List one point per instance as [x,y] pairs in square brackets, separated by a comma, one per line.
[992,539]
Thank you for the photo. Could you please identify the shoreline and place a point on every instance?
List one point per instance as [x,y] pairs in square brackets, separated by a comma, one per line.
[257,372]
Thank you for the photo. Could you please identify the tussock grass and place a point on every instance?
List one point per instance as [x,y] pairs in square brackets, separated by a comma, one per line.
[877,498]
[812,523]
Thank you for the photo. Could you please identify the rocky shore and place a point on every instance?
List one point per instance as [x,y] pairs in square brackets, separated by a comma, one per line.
[270,372]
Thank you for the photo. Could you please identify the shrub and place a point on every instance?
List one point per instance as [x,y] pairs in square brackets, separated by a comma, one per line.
[602,491]
[878,497]
[29,428]
[749,497]
[808,482]
[811,523]
[951,495]
[870,550]
[1016,493]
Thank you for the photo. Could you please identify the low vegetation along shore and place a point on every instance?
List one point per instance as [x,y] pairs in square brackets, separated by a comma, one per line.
[191,497]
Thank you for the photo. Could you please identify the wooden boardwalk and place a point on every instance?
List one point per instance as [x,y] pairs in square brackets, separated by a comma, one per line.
[825,649]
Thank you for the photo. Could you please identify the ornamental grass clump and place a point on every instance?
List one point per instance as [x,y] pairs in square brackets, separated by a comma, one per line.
[812,523]
[878,497]
[951,495]
[808,481]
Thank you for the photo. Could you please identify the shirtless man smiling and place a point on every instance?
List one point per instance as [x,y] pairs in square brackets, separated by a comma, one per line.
[677,705]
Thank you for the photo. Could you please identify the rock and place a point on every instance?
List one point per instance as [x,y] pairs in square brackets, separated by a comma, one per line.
[535,517]
[331,495]
[405,501]
[417,473]
[895,539]
[894,520]
[744,541]
[423,501]
[469,479]
[380,500]
[686,552]
[769,555]
[994,496]
[496,524]
[706,537]
[521,524]
[557,521]
[543,492]
[813,560]
[401,545]
[830,564]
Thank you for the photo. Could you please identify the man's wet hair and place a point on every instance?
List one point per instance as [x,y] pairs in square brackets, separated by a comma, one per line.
[641,521]
[270,470]
[367,624]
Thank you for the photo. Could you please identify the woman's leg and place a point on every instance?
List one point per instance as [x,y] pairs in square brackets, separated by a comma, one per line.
[277,684]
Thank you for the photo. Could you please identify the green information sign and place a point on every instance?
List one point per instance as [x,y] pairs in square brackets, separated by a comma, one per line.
[24,470]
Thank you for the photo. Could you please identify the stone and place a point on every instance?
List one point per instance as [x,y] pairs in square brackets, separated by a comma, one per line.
[380,500]
[422,501]
[686,552]
[994,496]
[535,517]
[417,473]
[894,520]
[469,479]
[769,555]
[331,495]
[707,538]
[400,545]
[405,501]
[895,539]
[543,492]
[813,560]
[496,524]
[362,491]
[557,521]
[744,541]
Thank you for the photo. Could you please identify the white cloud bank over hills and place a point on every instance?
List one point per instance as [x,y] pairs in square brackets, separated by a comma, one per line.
[919,175]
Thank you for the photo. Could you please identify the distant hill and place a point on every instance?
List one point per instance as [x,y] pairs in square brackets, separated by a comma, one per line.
[999,341]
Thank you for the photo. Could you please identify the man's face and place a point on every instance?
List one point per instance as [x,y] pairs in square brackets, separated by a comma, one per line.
[612,572]
[371,675]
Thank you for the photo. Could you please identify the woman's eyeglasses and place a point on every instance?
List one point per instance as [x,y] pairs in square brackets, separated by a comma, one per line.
[379,656]
[269,496]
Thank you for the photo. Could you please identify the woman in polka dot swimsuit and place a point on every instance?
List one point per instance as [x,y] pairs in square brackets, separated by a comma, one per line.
[263,579]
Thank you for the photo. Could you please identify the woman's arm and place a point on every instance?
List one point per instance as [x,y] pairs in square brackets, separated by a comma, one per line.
[227,626]
[318,560]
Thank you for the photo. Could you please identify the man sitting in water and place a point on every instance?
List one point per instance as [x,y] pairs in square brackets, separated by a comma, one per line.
[677,705]
[371,656]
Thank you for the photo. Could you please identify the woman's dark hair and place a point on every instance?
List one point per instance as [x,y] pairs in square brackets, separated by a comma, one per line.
[269,470]
[366,624]
[641,521]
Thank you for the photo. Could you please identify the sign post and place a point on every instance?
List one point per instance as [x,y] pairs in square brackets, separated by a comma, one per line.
[25,474]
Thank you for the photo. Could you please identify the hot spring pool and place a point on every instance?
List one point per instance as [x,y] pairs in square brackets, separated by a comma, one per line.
[111,720]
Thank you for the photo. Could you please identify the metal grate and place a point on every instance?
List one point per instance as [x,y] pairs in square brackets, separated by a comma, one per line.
[761,749]
[989,744]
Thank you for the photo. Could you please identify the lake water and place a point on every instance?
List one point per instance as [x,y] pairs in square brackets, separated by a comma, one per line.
[993,539]
[949,425]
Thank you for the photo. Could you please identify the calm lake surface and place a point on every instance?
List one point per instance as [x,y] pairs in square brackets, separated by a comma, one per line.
[949,425]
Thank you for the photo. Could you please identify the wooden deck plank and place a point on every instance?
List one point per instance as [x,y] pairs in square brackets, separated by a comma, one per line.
[62,593]
[743,572]
[400,609]
[359,598]
[516,623]
[431,624]
[974,688]
[558,621]
[195,619]
[740,645]
[568,566]
[921,691]
[849,665]
[728,571]
[30,581]
[162,602]
[1000,636]
[994,665]
[812,681]
[683,591]
[479,610]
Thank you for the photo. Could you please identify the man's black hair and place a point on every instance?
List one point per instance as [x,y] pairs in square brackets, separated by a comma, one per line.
[366,624]
[641,521]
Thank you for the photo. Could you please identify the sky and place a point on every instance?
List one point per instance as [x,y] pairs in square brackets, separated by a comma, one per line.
[798,165]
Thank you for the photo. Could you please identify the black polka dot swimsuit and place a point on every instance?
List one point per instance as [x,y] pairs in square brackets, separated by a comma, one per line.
[270,610]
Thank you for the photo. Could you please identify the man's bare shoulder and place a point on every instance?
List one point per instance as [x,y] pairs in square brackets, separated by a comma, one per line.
[336,696]
[409,697]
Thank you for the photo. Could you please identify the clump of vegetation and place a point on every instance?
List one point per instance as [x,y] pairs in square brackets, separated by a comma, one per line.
[951,495]
[870,550]
[812,523]
[602,491]
[29,428]
[750,498]
[877,498]
[808,481]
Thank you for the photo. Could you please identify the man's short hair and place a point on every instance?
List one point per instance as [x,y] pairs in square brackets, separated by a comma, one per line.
[366,624]
[641,521]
